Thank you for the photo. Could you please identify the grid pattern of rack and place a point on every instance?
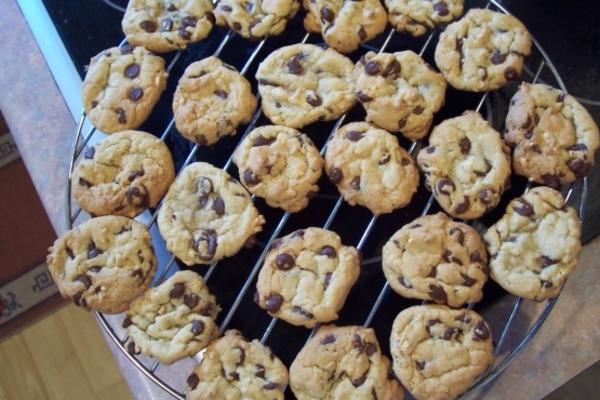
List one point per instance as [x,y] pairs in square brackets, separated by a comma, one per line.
[151,368]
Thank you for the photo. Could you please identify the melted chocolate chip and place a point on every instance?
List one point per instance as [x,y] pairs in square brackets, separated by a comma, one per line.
[327,15]
[260,371]
[355,183]
[370,348]
[166,25]
[262,141]
[578,147]
[393,68]
[445,186]
[225,8]
[127,322]
[441,8]
[486,196]
[481,331]
[529,134]
[285,261]
[148,26]
[362,33]
[475,257]
[197,327]
[511,74]
[354,136]
[363,97]
[131,348]
[138,273]
[200,139]
[134,175]
[132,70]
[93,251]
[385,159]
[460,235]
[250,179]
[465,145]
[523,207]
[498,58]
[372,68]
[302,311]
[420,365]
[221,93]
[183,33]
[437,293]
[405,282]
[136,93]
[314,100]
[189,20]
[294,66]
[273,302]
[210,237]
[328,339]
[327,279]
[177,291]
[192,381]
[462,207]
[87,282]
[191,300]
[451,333]
[551,180]
[328,251]
[138,197]
[578,166]
[218,206]
[271,386]
[69,252]
[122,117]
[548,261]
[359,381]
[467,280]
[335,175]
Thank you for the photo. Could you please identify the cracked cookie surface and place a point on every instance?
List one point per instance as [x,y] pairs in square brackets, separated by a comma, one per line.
[438,352]
[307,276]
[207,215]
[418,16]
[162,26]
[345,24]
[121,87]
[173,320]
[343,363]
[234,368]
[482,51]
[256,19]
[435,258]
[302,83]
[466,165]
[534,247]
[555,138]
[399,91]
[124,174]
[211,100]
[370,169]
[280,165]
[104,263]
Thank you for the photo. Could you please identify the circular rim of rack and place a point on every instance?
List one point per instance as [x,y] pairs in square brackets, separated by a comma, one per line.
[484,380]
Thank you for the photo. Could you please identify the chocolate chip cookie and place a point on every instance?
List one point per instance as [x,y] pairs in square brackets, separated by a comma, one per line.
[399,91]
[280,165]
[536,244]
[302,83]
[467,165]
[370,169]
[555,138]
[256,19]
[418,16]
[173,320]
[343,363]
[121,87]
[345,24]
[482,51]
[434,258]
[234,368]
[166,25]
[103,264]
[439,352]
[124,174]
[307,276]
[211,100]
[207,215]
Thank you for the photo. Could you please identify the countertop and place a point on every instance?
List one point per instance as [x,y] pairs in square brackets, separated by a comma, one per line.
[43,128]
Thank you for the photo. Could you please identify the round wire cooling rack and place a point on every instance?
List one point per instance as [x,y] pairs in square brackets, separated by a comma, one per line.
[514,321]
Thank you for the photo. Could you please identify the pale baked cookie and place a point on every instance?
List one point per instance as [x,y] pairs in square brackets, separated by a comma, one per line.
[555,138]
[467,165]
[124,174]
[173,320]
[370,169]
[435,258]
[399,91]
[121,87]
[418,16]
[207,215]
[439,352]
[211,100]
[536,244]
[482,51]
[307,276]
[165,25]
[280,165]
[103,264]
[234,368]
[343,363]
[302,83]
[256,19]
[345,24]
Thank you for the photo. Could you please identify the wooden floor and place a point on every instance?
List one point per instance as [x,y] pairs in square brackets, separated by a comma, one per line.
[63,356]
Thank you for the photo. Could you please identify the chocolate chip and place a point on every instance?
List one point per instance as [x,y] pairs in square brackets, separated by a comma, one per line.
[138,197]
[210,237]
[201,139]
[262,141]
[451,333]
[273,302]
[405,282]
[285,261]
[498,58]
[462,207]
[267,82]
[560,98]
[362,33]
[218,206]
[294,66]
[191,300]
[464,318]
[430,149]
[298,233]
[546,284]
[488,168]
[132,70]
[420,365]
[250,179]
[481,331]
[328,251]
[432,272]
[189,20]
[302,311]
[135,174]
[69,252]
[148,26]
[271,386]
[79,300]
[197,327]
[363,97]
[465,145]
[94,104]
[578,147]
[183,33]
[126,49]
[327,14]
[402,122]
[121,115]
[359,381]
[192,381]
[393,68]
[207,310]
[578,166]
[370,348]
[357,343]
[138,273]
[467,280]
[327,279]
[136,93]
[548,261]
[221,93]
[127,322]
[177,291]
[551,180]
[314,99]
[93,251]
[385,159]
[89,152]
[87,282]
[335,175]
[225,8]
[445,186]
[475,257]
[328,339]
[431,323]
[260,371]
[172,7]
[441,8]
[355,183]
[438,293]
[354,136]
[460,235]
[486,196]
[529,134]
[131,348]
[511,74]
[523,207]
[418,110]
[210,17]
[372,68]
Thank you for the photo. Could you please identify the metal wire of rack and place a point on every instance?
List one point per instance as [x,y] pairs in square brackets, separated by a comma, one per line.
[110,324]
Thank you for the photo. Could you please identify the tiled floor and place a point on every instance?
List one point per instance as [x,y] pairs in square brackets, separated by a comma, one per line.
[60,357]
